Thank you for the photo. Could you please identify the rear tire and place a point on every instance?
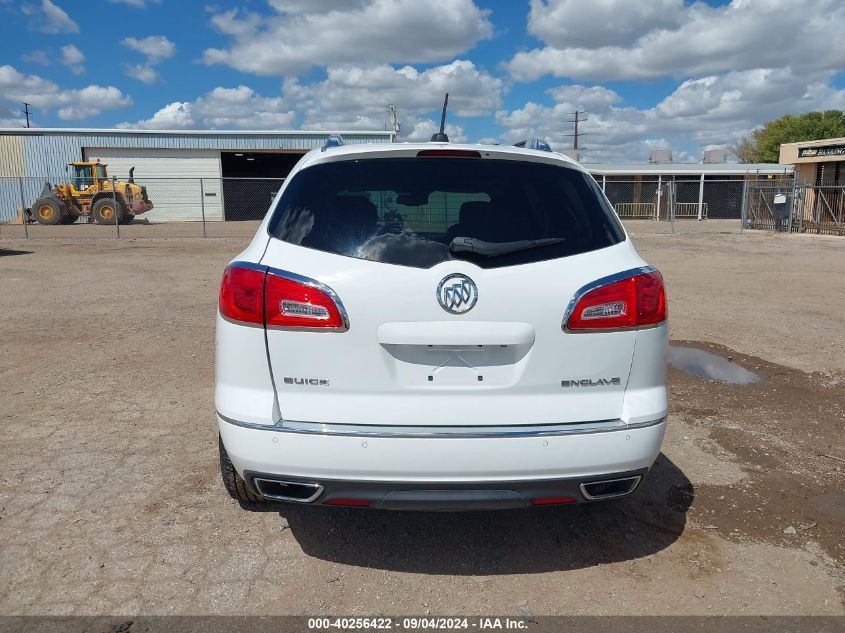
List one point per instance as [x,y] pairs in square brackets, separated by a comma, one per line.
[105,211]
[48,211]
[234,483]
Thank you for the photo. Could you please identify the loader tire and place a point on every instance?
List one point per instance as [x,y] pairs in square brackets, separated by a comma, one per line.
[48,211]
[105,211]
[234,483]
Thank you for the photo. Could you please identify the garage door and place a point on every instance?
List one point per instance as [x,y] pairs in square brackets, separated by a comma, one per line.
[179,182]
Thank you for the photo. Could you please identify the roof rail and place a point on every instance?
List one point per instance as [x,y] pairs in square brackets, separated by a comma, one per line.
[335,140]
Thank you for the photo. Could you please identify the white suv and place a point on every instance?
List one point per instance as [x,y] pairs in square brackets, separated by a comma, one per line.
[439,326]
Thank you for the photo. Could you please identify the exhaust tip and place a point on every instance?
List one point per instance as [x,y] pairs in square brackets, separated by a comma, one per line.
[610,488]
[297,491]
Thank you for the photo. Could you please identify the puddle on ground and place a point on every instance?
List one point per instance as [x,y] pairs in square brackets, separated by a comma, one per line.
[706,365]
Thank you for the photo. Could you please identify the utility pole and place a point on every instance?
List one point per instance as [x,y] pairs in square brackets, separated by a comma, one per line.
[26,111]
[577,118]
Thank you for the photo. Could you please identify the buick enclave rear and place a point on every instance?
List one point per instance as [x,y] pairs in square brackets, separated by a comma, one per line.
[438,326]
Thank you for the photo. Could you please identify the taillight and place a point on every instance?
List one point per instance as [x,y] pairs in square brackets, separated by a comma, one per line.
[265,298]
[242,295]
[626,303]
[290,303]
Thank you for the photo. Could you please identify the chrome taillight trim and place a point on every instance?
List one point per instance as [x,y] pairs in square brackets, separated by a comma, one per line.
[305,281]
[599,283]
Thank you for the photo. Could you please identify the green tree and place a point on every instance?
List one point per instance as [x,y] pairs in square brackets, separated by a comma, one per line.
[763,145]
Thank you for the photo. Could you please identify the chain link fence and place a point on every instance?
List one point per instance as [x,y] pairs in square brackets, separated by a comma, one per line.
[786,206]
[676,205]
[233,207]
[647,199]
[181,207]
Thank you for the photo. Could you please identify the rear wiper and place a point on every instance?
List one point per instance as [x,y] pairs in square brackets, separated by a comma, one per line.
[491,249]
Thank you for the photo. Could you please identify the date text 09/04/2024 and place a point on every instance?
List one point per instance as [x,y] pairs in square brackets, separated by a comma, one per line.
[417,623]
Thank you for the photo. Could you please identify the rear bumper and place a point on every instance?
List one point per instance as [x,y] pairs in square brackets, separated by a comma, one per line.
[528,466]
[444,496]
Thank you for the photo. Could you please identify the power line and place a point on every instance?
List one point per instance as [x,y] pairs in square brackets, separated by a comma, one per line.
[577,118]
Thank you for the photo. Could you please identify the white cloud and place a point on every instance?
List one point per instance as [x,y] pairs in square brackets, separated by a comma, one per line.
[353,97]
[243,107]
[142,72]
[301,34]
[350,98]
[46,95]
[156,48]
[138,4]
[423,129]
[239,107]
[49,18]
[37,56]
[173,116]
[73,58]
[575,23]
[314,6]
[90,101]
[706,112]
[634,42]
[14,118]
[587,97]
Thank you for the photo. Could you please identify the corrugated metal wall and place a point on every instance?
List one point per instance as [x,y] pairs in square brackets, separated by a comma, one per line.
[11,165]
[47,153]
[41,155]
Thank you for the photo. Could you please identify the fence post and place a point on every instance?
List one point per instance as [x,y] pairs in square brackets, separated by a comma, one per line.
[659,195]
[700,196]
[202,208]
[23,209]
[672,194]
[114,201]
[792,202]
[603,182]
[743,214]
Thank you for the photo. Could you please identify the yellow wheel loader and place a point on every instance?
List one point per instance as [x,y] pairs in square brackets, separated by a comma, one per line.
[90,193]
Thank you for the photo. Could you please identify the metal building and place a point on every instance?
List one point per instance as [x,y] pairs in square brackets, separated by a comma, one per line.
[30,157]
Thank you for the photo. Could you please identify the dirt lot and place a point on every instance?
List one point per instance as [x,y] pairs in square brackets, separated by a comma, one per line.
[111,501]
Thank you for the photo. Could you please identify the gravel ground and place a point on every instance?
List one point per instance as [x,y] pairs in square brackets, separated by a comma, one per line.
[111,500]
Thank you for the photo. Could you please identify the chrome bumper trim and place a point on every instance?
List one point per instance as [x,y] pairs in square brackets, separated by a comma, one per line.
[375,430]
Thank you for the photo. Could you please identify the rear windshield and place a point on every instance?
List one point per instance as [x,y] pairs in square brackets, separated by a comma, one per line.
[423,211]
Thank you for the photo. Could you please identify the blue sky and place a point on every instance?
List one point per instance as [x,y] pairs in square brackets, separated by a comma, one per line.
[652,74]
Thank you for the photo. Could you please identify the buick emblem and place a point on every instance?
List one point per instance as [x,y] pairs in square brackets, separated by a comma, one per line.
[457,293]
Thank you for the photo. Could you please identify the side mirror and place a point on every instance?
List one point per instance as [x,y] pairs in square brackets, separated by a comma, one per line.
[67,167]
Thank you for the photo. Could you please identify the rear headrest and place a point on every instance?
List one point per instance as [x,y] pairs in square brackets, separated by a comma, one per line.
[357,207]
[473,212]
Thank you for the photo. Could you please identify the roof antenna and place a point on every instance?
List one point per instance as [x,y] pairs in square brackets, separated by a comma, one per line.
[441,137]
